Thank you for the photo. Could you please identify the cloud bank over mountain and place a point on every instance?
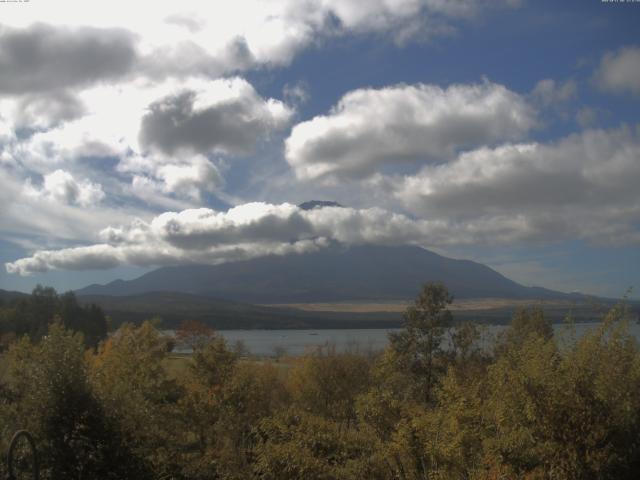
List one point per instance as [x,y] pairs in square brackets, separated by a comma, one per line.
[208,236]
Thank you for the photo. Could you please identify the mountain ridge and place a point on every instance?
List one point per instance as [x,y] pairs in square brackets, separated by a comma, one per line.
[10,295]
[338,273]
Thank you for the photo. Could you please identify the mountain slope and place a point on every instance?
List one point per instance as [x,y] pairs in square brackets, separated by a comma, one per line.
[8,296]
[335,274]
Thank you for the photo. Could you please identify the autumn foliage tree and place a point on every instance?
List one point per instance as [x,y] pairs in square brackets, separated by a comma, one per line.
[194,335]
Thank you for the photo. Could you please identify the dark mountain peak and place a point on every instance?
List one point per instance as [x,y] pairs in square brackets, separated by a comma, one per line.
[311,204]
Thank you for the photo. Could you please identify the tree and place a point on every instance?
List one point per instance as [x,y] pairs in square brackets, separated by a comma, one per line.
[251,394]
[526,322]
[33,315]
[200,406]
[566,413]
[419,345]
[295,445]
[89,320]
[53,399]
[131,382]
[195,335]
[327,384]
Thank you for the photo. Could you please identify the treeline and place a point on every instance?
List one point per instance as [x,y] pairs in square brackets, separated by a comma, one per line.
[532,405]
[32,315]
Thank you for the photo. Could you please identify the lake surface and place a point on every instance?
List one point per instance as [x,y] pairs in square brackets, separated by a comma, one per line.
[298,342]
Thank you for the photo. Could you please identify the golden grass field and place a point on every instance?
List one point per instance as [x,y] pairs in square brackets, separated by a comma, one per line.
[400,306]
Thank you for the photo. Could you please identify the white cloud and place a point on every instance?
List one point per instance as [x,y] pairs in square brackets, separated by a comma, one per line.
[173,119]
[45,111]
[152,192]
[619,71]
[226,116]
[584,186]
[246,231]
[405,123]
[191,180]
[42,58]
[296,94]
[9,189]
[192,37]
[61,187]
[89,136]
[406,20]
[7,137]
[51,216]
[548,92]
[79,258]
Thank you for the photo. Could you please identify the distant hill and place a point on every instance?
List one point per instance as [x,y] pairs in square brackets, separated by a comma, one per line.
[7,296]
[360,273]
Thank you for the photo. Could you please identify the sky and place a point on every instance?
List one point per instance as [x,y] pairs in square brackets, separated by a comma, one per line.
[501,131]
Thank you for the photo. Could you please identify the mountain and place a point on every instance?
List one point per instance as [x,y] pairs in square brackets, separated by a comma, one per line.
[311,204]
[358,273]
[8,296]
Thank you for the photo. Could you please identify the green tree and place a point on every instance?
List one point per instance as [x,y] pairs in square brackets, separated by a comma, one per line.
[33,315]
[89,320]
[418,348]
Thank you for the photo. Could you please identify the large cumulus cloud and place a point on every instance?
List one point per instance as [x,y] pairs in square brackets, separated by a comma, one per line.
[583,186]
[405,123]
[47,58]
[228,116]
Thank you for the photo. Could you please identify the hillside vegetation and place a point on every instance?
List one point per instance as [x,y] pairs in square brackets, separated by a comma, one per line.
[531,406]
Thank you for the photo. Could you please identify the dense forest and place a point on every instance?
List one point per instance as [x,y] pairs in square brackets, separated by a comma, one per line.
[31,315]
[436,404]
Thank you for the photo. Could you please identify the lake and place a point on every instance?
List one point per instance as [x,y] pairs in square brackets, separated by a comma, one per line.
[297,342]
